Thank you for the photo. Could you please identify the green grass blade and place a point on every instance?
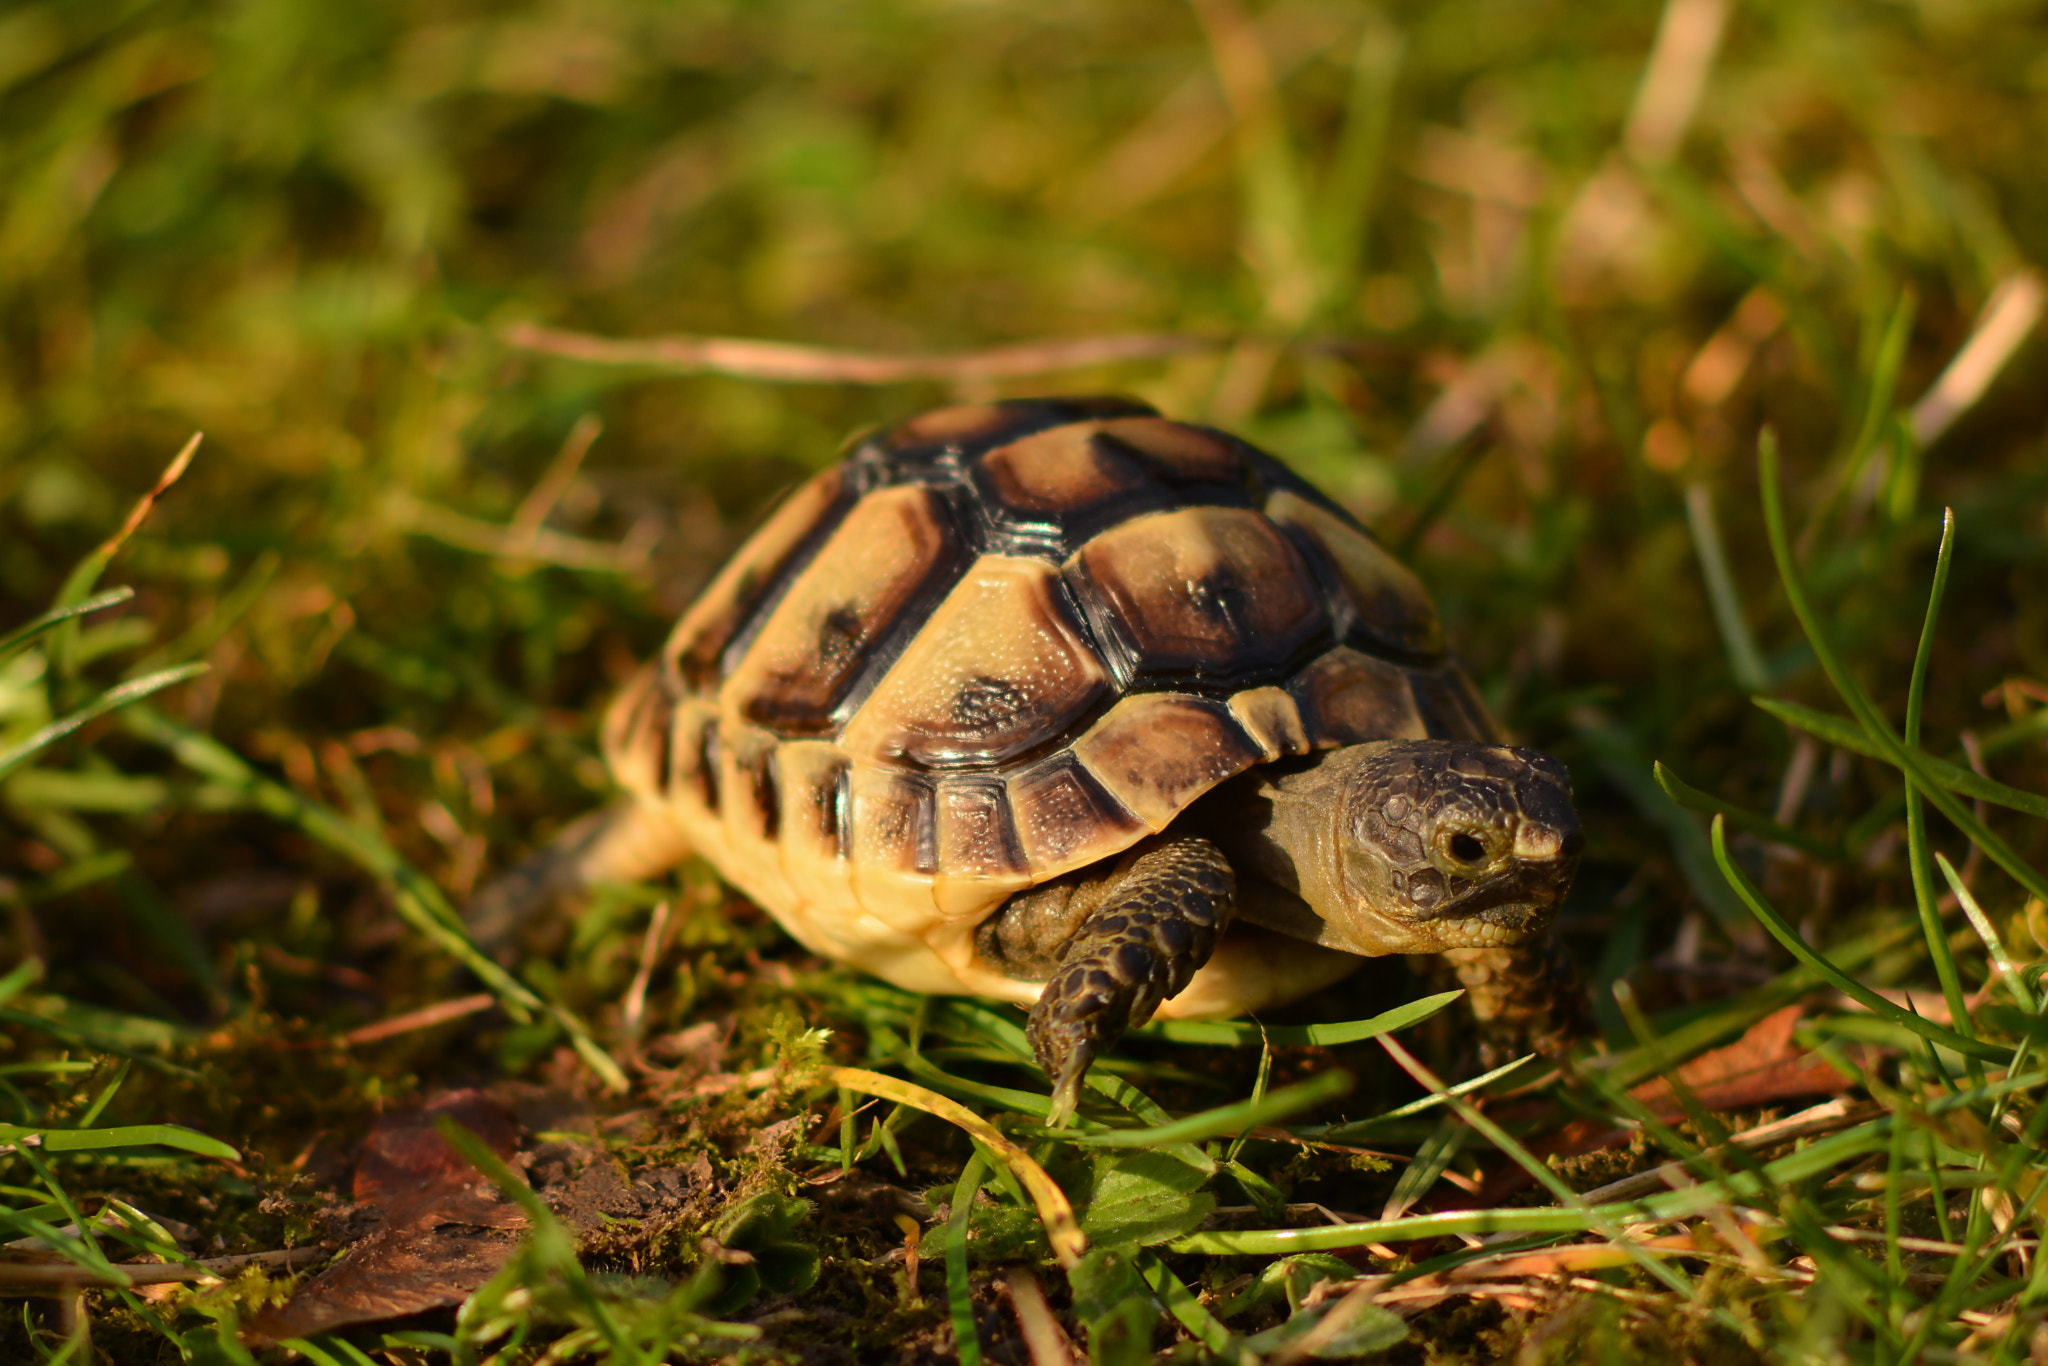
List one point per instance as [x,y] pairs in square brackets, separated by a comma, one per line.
[1916,817]
[1877,410]
[134,690]
[1909,761]
[1244,1033]
[959,1289]
[24,635]
[106,1096]
[415,897]
[19,978]
[1183,1303]
[1225,1119]
[1744,659]
[1358,1128]
[1845,734]
[127,1136]
[1693,799]
[1834,976]
[1994,947]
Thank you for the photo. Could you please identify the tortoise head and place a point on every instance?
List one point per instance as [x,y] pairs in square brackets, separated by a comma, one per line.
[1455,845]
[1417,846]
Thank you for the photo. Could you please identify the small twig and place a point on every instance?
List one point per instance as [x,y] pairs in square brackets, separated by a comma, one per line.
[1042,1336]
[426,1017]
[2014,307]
[791,363]
[542,544]
[1820,1119]
[633,1010]
[534,509]
[140,512]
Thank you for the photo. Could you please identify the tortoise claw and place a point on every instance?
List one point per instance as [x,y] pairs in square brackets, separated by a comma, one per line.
[1159,923]
[1069,1027]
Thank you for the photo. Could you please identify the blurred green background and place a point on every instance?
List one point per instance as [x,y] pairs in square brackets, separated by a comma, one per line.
[1519,281]
[1510,277]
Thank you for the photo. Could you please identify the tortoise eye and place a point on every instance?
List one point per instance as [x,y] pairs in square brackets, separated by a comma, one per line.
[1465,848]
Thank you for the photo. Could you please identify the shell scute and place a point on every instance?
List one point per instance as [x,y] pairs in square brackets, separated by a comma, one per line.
[1065,818]
[1059,473]
[1200,593]
[1157,752]
[1273,720]
[692,657]
[979,858]
[1178,452]
[1450,708]
[1348,697]
[1390,610]
[962,423]
[888,552]
[894,830]
[1000,668]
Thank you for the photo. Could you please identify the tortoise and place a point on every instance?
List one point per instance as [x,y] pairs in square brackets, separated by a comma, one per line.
[1062,703]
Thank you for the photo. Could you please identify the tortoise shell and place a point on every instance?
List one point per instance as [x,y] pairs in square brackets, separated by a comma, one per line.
[1002,642]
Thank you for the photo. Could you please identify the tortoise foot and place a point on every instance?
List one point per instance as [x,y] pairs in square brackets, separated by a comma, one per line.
[1156,925]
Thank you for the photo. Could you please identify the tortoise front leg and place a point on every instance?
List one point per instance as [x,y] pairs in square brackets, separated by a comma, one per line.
[1157,922]
[1525,997]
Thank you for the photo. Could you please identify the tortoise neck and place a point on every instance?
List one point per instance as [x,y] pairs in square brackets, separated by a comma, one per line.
[1281,826]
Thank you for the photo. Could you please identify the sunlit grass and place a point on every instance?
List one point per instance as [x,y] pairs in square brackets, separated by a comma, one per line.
[1522,285]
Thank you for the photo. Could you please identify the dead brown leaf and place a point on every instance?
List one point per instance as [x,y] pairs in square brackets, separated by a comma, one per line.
[1759,1068]
[442,1230]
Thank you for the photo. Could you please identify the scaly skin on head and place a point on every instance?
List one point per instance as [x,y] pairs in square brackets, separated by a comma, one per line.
[1409,846]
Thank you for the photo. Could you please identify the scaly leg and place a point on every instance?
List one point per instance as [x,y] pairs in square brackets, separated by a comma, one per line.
[1525,997]
[1157,921]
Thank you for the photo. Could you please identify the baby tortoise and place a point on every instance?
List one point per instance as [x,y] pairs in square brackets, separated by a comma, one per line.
[1059,702]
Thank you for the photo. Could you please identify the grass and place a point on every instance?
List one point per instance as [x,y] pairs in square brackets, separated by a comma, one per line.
[1685,352]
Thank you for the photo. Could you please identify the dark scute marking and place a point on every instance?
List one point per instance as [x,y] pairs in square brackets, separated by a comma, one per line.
[707,765]
[662,721]
[1177,452]
[1058,472]
[757,769]
[1347,698]
[1159,752]
[636,732]
[979,426]
[899,823]
[833,800]
[839,638]
[985,704]
[846,616]
[715,628]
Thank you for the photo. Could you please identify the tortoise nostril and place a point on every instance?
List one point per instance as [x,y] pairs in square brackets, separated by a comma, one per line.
[1466,848]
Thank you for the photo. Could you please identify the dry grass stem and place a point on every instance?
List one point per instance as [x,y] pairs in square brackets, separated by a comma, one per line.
[426,1017]
[791,363]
